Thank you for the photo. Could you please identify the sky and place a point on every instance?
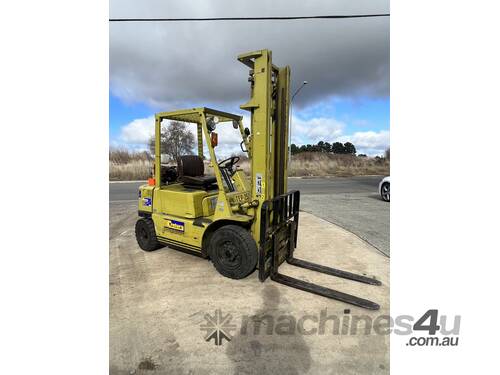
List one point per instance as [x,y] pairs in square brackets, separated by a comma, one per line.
[167,66]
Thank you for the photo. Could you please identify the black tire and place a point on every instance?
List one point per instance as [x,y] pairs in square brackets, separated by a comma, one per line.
[385,191]
[233,251]
[145,235]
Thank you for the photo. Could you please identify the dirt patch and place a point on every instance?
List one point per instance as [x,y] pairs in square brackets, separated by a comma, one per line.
[147,364]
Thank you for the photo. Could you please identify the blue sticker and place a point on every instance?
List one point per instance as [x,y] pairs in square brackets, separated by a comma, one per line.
[146,201]
[174,225]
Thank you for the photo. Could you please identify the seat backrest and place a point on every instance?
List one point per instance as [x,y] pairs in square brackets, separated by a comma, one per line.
[190,165]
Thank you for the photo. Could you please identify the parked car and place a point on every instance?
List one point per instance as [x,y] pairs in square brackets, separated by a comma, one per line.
[384,188]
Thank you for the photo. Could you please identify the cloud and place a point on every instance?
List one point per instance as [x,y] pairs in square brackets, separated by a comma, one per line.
[369,142]
[316,129]
[136,134]
[171,65]
[331,130]
[139,131]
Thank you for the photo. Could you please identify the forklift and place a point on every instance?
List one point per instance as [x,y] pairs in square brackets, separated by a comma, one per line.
[240,223]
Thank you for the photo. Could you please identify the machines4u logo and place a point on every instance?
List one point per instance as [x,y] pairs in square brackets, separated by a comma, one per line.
[218,327]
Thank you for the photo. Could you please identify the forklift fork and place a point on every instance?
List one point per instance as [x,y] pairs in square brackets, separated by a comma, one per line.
[279,225]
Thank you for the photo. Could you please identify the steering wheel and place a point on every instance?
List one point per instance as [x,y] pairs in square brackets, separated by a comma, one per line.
[229,163]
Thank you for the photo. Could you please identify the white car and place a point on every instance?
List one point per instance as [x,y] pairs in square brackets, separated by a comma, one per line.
[384,188]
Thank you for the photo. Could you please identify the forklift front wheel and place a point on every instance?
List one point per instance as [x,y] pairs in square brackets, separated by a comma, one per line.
[146,235]
[233,251]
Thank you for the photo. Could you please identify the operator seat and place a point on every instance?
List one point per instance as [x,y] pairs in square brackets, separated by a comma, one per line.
[191,172]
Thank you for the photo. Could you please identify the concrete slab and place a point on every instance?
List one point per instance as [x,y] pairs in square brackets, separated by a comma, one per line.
[364,214]
[160,300]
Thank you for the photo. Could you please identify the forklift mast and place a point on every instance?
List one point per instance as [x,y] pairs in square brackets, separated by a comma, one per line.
[276,218]
[269,108]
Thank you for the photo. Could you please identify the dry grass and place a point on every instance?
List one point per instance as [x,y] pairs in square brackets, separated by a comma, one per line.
[122,156]
[125,166]
[132,171]
[129,166]
[323,164]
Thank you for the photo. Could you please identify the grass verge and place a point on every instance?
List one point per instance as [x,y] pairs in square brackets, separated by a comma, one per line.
[126,166]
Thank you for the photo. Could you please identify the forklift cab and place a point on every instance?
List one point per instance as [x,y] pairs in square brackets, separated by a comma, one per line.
[191,198]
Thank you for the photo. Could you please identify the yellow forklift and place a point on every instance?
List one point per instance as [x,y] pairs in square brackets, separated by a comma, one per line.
[241,223]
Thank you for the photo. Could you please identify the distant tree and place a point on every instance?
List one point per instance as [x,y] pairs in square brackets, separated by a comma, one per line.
[324,146]
[388,154]
[176,140]
[349,148]
[338,148]
[151,145]
[362,155]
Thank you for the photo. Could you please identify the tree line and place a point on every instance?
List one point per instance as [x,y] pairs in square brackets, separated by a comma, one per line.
[176,140]
[335,148]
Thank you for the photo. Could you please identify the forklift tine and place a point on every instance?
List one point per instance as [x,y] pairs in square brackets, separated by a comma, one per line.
[323,291]
[332,271]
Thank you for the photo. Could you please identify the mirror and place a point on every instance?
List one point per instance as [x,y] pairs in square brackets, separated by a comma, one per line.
[211,123]
[235,124]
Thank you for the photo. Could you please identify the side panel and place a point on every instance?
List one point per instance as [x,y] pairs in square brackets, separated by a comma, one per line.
[178,231]
[209,204]
[176,200]
[146,198]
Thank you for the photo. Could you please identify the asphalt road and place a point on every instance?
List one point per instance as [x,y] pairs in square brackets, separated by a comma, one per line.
[350,202]
[122,191]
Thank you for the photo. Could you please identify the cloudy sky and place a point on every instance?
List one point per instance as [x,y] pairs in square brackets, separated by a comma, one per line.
[167,66]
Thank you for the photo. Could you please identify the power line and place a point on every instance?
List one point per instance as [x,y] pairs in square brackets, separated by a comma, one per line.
[272,18]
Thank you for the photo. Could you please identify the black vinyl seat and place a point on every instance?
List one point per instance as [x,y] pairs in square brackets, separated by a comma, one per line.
[192,173]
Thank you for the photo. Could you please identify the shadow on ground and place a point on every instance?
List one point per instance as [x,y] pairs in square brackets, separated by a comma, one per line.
[285,353]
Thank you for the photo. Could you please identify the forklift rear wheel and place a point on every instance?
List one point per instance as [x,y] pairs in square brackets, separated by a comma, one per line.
[146,235]
[233,251]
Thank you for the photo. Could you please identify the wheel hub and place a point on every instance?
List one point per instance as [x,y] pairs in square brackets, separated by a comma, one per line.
[229,254]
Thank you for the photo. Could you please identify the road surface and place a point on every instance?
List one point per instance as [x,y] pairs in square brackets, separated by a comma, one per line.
[122,191]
